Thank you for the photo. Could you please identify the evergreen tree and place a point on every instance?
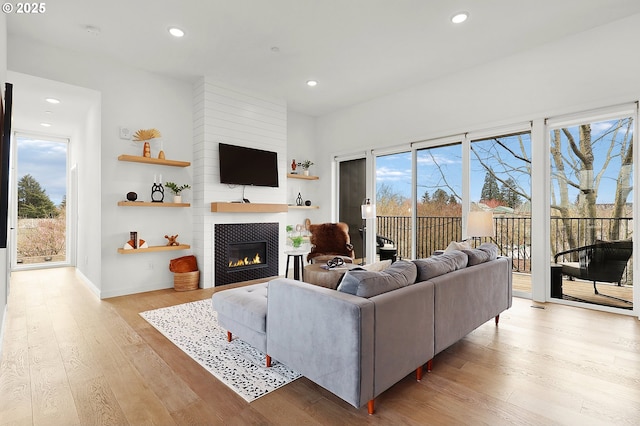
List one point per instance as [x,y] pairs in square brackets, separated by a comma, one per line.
[33,201]
[426,198]
[490,190]
[440,196]
[509,195]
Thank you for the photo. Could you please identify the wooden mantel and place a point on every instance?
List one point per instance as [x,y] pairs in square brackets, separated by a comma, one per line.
[226,207]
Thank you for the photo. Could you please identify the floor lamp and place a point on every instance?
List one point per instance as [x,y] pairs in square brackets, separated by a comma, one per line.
[480,224]
[368,212]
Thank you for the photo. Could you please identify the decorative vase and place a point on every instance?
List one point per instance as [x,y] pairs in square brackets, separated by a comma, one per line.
[161,155]
[299,200]
[146,150]
[177,198]
[306,172]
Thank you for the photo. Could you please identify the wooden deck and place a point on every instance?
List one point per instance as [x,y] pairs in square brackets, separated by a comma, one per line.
[583,290]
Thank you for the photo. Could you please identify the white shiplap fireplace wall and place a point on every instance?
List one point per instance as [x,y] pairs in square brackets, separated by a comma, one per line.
[237,117]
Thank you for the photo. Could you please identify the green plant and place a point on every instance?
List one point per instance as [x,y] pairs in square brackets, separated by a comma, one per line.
[175,188]
[306,164]
[289,228]
[297,241]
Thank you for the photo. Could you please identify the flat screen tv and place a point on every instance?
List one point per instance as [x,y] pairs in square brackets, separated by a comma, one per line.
[240,165]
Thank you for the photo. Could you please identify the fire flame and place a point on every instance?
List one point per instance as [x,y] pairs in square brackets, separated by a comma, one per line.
[246,261]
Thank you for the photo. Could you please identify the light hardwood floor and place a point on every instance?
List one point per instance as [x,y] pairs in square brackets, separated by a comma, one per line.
[69,358]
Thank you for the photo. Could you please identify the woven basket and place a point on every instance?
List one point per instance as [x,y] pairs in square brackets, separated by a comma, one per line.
[185,281]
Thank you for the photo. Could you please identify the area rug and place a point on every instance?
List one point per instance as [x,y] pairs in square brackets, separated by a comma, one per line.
[193,327]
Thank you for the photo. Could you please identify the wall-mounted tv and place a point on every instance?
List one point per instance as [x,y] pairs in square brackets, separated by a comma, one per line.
[240,165]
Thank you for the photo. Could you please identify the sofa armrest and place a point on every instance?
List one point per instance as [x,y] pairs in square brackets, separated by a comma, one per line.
[325,335]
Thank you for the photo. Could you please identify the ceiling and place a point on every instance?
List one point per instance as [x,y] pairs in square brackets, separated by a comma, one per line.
[356,49]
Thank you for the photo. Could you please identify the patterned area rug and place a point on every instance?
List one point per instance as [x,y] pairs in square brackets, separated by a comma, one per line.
[193,327]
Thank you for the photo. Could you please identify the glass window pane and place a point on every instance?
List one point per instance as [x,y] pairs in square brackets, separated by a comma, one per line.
[439,190]
[393,201]
[501,184]
[591,202]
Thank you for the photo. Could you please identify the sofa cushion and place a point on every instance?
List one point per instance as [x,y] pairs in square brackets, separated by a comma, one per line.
[491,249]
[476,256]
[365,283]
[439,265]
[484,253]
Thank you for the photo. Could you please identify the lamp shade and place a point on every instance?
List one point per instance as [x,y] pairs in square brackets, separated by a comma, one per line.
[368,209]
[480,224]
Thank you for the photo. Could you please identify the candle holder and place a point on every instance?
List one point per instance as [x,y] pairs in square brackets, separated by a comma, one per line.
[157,193]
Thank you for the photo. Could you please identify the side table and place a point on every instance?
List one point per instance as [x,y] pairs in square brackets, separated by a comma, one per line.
[298,264]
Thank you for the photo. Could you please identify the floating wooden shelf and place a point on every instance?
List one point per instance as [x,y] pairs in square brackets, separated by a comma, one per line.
[150,204]
[303,207]
[297,176]
[224,207]
[148,160]
[154,248]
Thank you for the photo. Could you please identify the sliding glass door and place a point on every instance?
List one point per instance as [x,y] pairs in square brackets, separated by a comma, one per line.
[591,216]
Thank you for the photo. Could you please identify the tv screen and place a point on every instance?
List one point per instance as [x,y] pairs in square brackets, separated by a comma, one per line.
[240,165]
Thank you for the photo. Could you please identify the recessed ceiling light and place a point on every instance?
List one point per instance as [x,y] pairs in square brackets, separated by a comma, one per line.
[48,112]
[275,49]
[459,17]
[176,32]
[52,100]
[45,124]
[94,31]
[312,83]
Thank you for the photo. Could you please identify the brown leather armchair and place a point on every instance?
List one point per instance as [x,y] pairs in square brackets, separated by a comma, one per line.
[329,240]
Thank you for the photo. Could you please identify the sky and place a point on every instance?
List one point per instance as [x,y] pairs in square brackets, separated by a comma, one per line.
[46,161]
[441,167]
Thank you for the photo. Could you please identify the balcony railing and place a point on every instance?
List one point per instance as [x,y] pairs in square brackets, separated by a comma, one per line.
[513,235]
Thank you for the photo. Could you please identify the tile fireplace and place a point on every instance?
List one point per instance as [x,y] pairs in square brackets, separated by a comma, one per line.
[245,251]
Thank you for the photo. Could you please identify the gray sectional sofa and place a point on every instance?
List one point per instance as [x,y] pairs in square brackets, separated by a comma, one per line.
[357,347]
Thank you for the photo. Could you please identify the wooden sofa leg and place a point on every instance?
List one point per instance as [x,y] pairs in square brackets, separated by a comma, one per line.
[268,361]
[229,336]
[497,319]
[419,373]
[430,364]
[370,407]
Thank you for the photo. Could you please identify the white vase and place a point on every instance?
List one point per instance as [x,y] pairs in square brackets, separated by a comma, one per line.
[306,172]
[177,198]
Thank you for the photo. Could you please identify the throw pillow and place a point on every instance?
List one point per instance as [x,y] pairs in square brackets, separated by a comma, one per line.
[377,266]
[439,265]
[455,245]
[476,256]
[491,249]
[365,283]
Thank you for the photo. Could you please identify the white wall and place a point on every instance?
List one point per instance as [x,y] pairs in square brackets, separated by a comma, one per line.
[301,134]
[238,117]
[138,100]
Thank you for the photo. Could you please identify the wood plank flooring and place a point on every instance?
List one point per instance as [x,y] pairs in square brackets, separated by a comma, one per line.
[69,358]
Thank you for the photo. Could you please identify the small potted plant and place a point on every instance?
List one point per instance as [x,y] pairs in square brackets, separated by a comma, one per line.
[305,166]
[177,198]
[297,241]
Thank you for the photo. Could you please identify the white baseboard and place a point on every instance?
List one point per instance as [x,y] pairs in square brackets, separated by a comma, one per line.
[95,290]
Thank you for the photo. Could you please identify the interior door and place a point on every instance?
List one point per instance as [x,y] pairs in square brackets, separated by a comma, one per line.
[351,193]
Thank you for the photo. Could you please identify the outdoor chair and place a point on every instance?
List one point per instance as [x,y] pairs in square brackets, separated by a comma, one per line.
[603,261]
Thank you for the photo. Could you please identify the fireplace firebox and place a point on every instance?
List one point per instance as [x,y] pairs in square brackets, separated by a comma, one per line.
[245,251]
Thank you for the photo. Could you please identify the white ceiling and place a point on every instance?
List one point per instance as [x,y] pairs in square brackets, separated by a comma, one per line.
[356,49]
